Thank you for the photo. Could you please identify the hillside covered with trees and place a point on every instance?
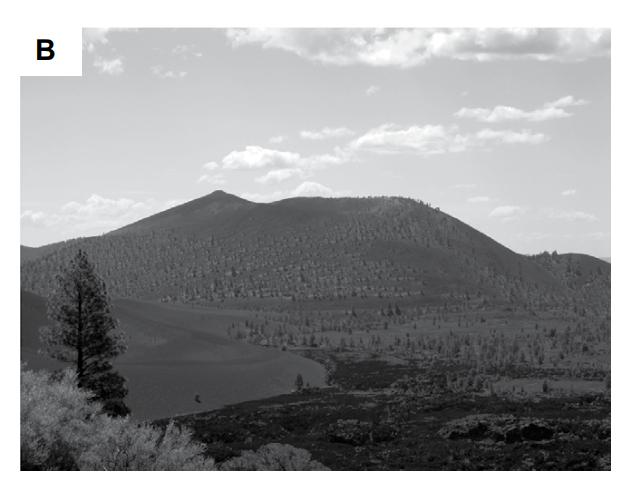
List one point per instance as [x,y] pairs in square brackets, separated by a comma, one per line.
[221,247]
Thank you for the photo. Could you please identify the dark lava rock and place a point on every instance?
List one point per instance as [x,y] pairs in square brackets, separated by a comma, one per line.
[353,432]
[507,428]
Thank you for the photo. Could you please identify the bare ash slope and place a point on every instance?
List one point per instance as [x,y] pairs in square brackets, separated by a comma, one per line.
[178,352]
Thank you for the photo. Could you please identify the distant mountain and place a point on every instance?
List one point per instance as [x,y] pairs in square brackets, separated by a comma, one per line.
[199,214]
[221,247]
[30,253]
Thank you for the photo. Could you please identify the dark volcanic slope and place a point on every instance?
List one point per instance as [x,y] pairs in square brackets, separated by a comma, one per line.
[177,352]
[222,247]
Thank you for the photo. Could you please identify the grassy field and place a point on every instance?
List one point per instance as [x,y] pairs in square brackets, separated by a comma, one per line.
[178,352]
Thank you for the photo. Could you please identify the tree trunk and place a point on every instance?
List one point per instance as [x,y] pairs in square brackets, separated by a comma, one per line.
[80,339]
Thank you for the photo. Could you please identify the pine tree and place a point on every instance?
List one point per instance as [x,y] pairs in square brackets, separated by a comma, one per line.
[84,333]
[299,382]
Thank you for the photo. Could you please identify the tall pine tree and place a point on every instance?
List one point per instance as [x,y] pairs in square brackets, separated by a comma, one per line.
[84,333]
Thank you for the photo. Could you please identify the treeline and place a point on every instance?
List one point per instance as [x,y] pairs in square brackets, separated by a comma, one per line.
[578,342]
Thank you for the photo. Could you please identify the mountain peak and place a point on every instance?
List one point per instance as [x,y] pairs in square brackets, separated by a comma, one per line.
[220,196]
[219,193]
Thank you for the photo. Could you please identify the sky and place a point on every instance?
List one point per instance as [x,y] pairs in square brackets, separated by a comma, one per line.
[507,130]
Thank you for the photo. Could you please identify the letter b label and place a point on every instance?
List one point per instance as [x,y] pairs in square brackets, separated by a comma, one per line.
[45,49]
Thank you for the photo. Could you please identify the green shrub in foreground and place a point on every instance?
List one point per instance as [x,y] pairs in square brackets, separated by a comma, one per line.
[62,429]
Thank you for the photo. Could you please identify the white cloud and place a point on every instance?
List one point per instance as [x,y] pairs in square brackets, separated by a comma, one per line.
[109,66]
[279,175]
[100,206]
[411,47]
[33,217]
[372,90]
[568,192]
[566,101]
[501,113]
[507,212]
[163,73]
[91,37]
[96,214]
[479,199]
[277,139]
[263,198]
[325,133]
[94,37]
[464,186]
[572,215]
[511,137]
[211,165]
[309,188]
[256,157]
[280,164]
[437,139]
[427,139]
[306,189]
[187,51]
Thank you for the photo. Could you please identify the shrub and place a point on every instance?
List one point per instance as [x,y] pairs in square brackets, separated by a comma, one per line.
[55,421]
[122,445]
[62,428]
[274,457]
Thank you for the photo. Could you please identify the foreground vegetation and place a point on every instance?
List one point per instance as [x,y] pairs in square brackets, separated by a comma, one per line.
[62,428]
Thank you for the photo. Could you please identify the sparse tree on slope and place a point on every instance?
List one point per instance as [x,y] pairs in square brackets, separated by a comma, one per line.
[84,333]
[299,382]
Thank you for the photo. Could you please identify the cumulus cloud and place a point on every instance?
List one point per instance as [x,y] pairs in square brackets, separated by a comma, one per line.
[568,192]
[479,199]
[279,175]
[277,139]
[407,47]
[281,165]
[33,217]
[501,113]
[310,188]
[423,140]
[566,101]
[256,157]
[511,137]
[92,37]
[96,214]
[187,51]
[427,139]
[507,212]
[96,42]
[263,197]
[372,90]
[163,73]
[325,133]
[95,37]
[306,189]
[437,139]
[109,66]
[99,208]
